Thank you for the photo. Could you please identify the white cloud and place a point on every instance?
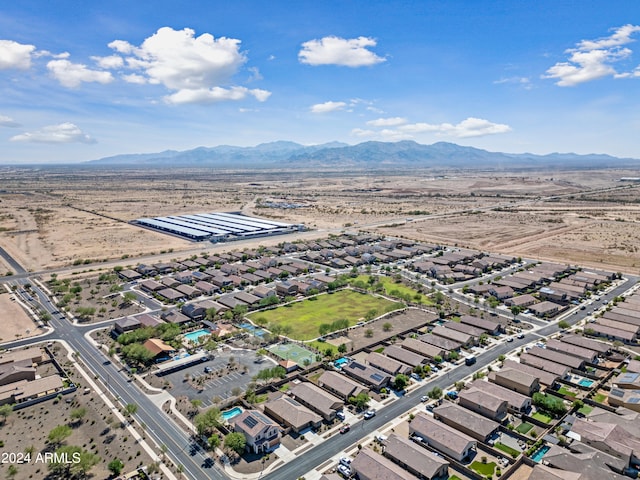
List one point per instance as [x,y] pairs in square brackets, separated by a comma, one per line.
[593,59]
[387,122]
[215,94]
[112,61]
[359,132]
[134,78]
[196,69]
[8,122]
[179,60]
[327,107]
[62,133]
[339,51]
[73,74]
[15,55]
[470,127]
[524,82]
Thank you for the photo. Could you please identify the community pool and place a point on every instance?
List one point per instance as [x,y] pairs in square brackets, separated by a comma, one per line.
[195,336]
[585,382]
[229,414]
[541,452]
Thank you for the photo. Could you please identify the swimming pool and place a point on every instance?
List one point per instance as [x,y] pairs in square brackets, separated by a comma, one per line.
[340,362]
[195,336]
[585,382]
[541,452]
[229,414]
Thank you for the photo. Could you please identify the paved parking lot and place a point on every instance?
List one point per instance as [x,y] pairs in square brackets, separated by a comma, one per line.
[215,385]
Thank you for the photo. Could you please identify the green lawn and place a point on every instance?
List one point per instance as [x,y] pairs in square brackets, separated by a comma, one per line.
[586,410]
[599,397]
[566,391]
[399,290]
[541,417]
[485,469]
[507,449]
[306,316]
[523,428]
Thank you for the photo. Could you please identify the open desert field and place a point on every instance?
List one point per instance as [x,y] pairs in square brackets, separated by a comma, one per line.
[57,217]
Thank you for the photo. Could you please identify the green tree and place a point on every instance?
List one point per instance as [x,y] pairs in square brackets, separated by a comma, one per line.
[400,382]
[78,414]
[342,348]
[368,333]
[563,324]
[81,462]
[128,298]
[130,409]
[387,326]
[360,401]
[235,441]
[58,434]
[115,466]
[206,422]
[435,393]
[213,441]
[371,314]
[5,411]
[324,328]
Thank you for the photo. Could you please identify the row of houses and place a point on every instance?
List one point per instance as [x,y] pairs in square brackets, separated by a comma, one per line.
[621,323]
[461,264]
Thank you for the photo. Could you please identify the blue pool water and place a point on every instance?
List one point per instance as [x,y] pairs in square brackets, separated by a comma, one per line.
[194,336]
[340,362]
[585,382]
[540,453]
[229,414]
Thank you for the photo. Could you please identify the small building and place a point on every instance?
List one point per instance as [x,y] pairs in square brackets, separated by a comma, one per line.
[340,385]
[388,364]
[466,421]
[317,399]
[261,433]
[292,414]
[456,336]
[372,377]
[545,378]
[405,356]
[557,357]
[489,326]
[158,348]
[516,402]
[369,465]
[573,350]
[543,364]
[442,437]
[125,324]
[424,349]
[601,348]
[515,380]
[484,403]
[415,459]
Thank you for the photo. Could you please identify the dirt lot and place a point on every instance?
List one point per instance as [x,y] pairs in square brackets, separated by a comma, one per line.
[97,431]
[16,323]
[61,216]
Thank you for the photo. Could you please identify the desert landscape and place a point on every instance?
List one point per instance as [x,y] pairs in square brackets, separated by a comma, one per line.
[54,218]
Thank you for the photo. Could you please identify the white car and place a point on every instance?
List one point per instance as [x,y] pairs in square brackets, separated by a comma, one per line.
[369,414]
[345,461]
[344,471]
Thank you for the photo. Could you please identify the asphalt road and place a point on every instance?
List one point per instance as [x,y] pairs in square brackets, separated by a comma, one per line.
[12,262]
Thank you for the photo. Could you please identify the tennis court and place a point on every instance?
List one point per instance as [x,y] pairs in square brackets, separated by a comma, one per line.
[292,351]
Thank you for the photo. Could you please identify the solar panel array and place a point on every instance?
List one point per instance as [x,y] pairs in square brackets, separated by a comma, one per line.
[249,421]
[215,226]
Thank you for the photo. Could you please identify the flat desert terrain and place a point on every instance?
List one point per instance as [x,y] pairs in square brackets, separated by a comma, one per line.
[51,218]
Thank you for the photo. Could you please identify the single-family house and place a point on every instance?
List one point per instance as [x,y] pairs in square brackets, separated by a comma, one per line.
[262,434]
[442,437]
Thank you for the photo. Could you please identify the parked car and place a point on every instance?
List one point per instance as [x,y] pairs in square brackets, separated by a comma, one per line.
[340,415]
[207,370]
[381,438]
[344,471]
[345,461]
[469,361]
[509,339]
[424,398]
[452,394]
[369,414]
[521,335]
[345,428]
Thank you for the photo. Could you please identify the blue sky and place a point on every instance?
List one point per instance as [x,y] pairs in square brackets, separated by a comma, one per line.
[110,77]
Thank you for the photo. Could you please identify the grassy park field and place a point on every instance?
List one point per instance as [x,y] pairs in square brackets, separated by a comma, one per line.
[305,317]
[393,289]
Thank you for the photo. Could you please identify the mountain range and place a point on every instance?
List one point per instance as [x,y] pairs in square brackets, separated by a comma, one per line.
[366,155]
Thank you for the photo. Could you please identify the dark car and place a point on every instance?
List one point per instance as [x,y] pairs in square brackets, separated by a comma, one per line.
[469,360]
[345,428]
